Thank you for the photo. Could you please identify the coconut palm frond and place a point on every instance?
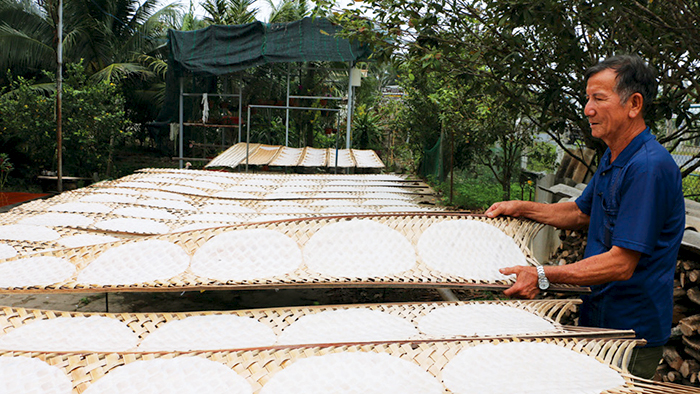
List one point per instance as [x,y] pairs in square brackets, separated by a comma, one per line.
[288,11]
[242,12]
[46,89]
[118,71]
[158,66]
[23,51]
[216,10]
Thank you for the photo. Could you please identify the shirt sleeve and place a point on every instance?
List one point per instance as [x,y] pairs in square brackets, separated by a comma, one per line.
[585,200]
[643,208]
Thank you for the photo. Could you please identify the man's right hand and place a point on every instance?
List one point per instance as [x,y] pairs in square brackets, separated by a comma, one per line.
[507,208]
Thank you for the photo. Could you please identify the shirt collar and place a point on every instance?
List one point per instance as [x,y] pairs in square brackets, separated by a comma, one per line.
[629,150]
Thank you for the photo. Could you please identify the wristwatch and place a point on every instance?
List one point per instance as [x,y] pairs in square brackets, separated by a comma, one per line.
[542,281]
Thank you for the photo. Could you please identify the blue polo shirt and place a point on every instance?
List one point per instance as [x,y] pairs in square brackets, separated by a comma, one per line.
[635,203]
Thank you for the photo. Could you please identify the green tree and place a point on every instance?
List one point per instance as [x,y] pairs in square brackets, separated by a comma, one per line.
[94,121]
[534,53]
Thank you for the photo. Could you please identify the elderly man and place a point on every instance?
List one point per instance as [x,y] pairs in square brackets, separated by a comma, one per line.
[634,210]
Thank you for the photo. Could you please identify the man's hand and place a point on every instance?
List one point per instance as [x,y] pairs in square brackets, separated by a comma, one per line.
[525,283]
[507,208]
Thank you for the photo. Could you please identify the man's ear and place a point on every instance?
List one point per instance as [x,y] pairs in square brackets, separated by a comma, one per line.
[636,102]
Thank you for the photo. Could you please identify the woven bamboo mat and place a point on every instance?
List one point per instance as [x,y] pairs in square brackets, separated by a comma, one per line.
[180,276]
[362,177]
[345,158]
[269,192]
[278,319]
[313,157]
[234,154]
[259,154]
[78,204]
[259,367]
[147,219]
[287,157]
[263,155]
[366,159]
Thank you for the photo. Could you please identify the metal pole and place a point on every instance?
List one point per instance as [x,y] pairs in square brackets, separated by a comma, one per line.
[348,134]
[452,164]
[247,141]
[337,137]
[181,120]
[240,110]
[286,125]
[59,100]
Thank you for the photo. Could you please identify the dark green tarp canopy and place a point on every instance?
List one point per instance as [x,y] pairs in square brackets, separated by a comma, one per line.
[219,50]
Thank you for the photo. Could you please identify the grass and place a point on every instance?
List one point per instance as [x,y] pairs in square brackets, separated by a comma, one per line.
[691,187]
[477,193]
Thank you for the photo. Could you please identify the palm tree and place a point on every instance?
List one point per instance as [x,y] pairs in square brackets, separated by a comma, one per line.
[108,35]
[229,12]
[288,10]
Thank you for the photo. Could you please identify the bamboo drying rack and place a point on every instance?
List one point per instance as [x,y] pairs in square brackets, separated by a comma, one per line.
[301,230]
[144,324]
[259,365]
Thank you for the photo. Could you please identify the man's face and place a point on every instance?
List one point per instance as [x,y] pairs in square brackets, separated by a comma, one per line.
[606,115]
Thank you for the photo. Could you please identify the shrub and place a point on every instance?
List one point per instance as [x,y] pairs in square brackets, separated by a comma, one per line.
[93,118]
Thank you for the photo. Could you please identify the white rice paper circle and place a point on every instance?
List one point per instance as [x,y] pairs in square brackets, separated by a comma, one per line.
[270,218]
[346,210]
[234,194]
[107,197]
[145,213]
[286,210]
[352,373]
[218,179]
[172,204]
[137,185]
[26,232]
[517,368]
[166,196]
[113,190]
[7,251]
[482,320]
[245,189]
[35,271]
[359,248]
[25,375]
[381,203]
[81,207]
[246,255]
[180,375]
[211,332]
[469,249]
[71,334]
[136,262]
[214,217]
[77,241]
[203,185]
[403,209]
[347,325]
[185,190]
[334,203]
[199,226]
[226,208]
